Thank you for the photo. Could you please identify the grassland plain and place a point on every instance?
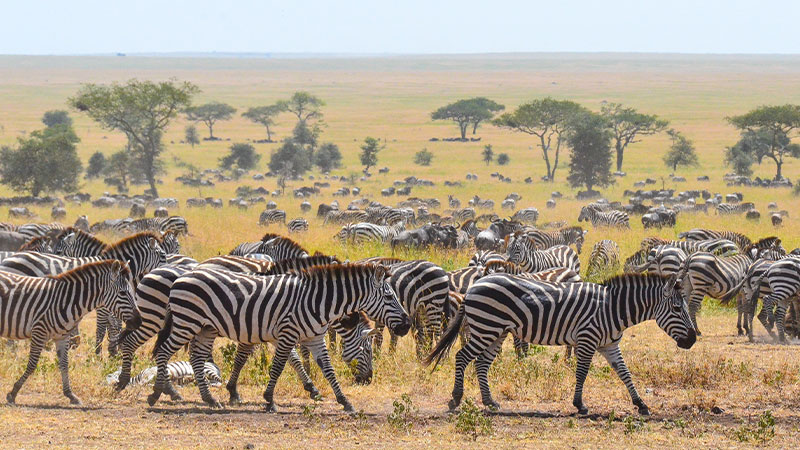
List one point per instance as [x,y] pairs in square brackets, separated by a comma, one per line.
[391,98]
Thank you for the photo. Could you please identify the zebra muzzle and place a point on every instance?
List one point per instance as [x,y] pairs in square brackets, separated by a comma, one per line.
[688,341]
[133,323]
[403,327]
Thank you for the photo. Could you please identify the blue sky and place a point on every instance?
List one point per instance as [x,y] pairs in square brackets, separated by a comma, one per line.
[410,26]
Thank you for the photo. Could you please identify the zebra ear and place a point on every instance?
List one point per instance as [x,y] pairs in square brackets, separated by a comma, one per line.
[116,268]
[380,273]
[153,243]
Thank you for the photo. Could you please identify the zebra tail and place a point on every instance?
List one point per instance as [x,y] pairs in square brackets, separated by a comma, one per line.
[449,337]
[164,333]
[756,291]
[732,293]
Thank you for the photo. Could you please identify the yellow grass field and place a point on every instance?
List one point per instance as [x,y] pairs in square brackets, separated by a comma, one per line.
[391,98]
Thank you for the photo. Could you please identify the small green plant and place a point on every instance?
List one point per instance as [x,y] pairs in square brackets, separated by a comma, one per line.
[471,421]
[634,424]
[764,430]
[503,159]
[612,416]
[423,157]
[310,410]
[402,417]
[228,356]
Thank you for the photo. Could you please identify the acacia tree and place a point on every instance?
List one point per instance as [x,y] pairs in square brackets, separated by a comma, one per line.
[487,154]
[468,112]
[626,124]
[119,169]
[244,156]
[590,141]
[773,125]
[56,117]
[140,109]
[210,114]
[369,153]
[190,133]
[548,119]
[740,158]
[265,116]
[304,105]
[97,163]
[681,151]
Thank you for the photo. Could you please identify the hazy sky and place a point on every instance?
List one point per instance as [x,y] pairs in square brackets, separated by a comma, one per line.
[399,26]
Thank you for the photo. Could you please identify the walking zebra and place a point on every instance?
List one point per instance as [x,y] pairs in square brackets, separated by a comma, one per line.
[753,288]
[179,372]
[297,225]
[599,218]
[737,208]
[271,216]
[34,230]
[782,281]
[603,261]
[484,256]
[359,233]
[589,316]
[704,234]
[704,274]
[44,309]
[283,309]
[565,236]
[523,252]
[274,245]
[662,260]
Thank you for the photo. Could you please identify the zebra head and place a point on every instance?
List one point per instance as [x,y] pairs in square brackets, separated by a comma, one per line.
[518,249]
[672,315]
[158,249]
[383,305]
[169,242]
[357,347]
[63,243]
[120,300]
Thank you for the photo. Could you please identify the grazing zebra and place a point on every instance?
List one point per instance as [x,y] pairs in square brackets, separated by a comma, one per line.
[297,225]
[754,284]
[44,309]
[527,215]
[565,236]
[599,218]
[662,260]
[704,234]
[704,274]
[345,217]
[463,214]
[283,309]
[274,245]
[782,281]
[78,243]
[738,208]
[484,256]
[271,216]
[523,252]
[170,243]
[179,372]
[715,246]
[590,317]
[359,233]
[176,224]
[381,215]
[603,261]
[634,261]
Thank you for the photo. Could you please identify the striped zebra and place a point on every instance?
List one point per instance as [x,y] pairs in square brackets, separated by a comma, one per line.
[297,264]
[176,224]
[460,280]
[527,215]
[754,284]
[44,309]
[385,215]
[34,230]
[603,261]
[284,309]
[599,218]
[716,246]
[590,317]
[179,372]
[781,280]
[484,256]
[726,209]
[78,243]
[705,234]
[565,236]
[237,264]
[359,233]
[704,274]
[271,216]
[181,260]
[634,261]
[463,214]
[345,217]
[39,244]
[274,245]
[523,252]
[662,260]
[297,225]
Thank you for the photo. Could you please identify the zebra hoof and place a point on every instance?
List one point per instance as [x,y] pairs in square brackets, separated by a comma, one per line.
[312,390]
[270,408]
[644,410]
[175,396]
[73,400]
[348,408]
[235,400]
[213,403]
[152,398]
[453,404]
[492,405]
[11,398]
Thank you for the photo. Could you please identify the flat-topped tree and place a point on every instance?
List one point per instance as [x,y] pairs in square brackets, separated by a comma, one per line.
[548,119]
[264,116]
[770,131]
[140,109]
[681,151]
[210,114]
[468,112]
[627,124]
[304,105]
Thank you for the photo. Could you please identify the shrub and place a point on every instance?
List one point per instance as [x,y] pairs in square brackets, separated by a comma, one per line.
[503,159]
[423,157]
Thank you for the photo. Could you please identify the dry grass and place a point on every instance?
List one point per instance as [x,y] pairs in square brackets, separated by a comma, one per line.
[392,99]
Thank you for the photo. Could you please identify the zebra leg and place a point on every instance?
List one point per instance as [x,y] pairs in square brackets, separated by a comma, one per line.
[584,352]
[331,344]
[243,351]
[739,314]
[100,331]
[299,368]
[392,342]
[521,348]
[38,340]
[474,347]
[201,347]
[320,352]
[128,346]
[113,326]
[282,353]
[173,343]
[766,316]
[695,303]
[378,340]
[613,355]
[62,350]
[780,318]
[568,352]
[305,354]
[482,365]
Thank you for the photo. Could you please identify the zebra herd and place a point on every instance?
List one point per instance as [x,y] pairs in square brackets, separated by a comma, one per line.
[527,284]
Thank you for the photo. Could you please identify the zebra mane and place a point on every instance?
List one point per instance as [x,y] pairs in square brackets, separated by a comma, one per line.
[33,243]
[352,320]
[508,267]
[384,260]
[91,268]
[342,270]
[572,229]
[635,278]
[283,265]
[130,239]
[287,241]
[269,236]
[82,235]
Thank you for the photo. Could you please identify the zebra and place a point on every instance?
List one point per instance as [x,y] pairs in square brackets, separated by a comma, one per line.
[283,309]
[704,234]
[359,233]
[181,260]
[297,225]
[634,261]
[717,246]
[599,218]
[41,309]
[484,256]
[523,252]
[179,372]
[463,214]
[730,209]
[237,264]
[460,280]
[704,274]
[603,261]
[753,287]
[34,230]
[271,216]
[345,217]
[381,215]
[78,243]
[160,224]
[782,281]
[273,245]
[39,244]
[297,264]
[527,215]
[591,317]
[662,260]
[565,236]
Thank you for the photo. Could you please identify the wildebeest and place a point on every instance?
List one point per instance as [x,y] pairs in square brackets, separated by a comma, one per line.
[492,237]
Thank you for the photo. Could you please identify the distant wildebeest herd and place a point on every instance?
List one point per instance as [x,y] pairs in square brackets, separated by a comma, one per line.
[524,280]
